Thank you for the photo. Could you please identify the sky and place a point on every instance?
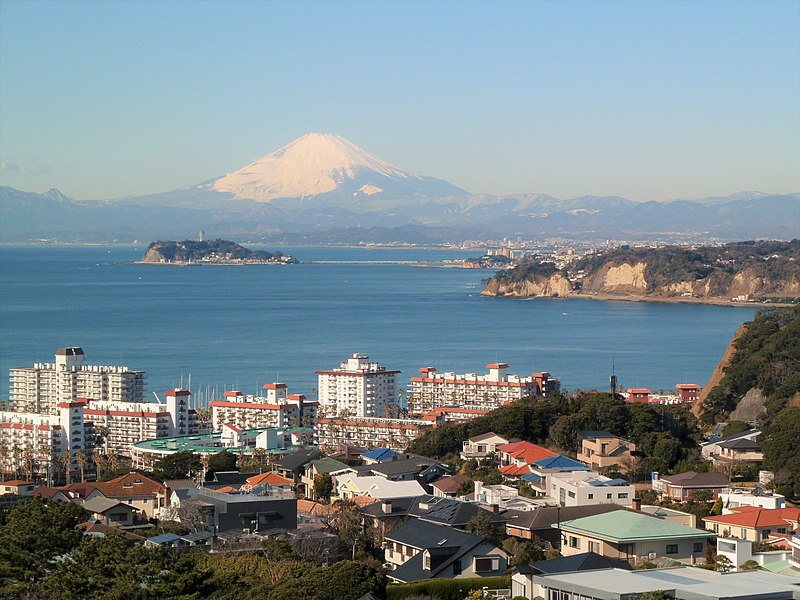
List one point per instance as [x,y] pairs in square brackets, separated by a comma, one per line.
[646,100]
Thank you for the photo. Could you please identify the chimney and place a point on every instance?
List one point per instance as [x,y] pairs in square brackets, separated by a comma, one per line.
[637,504]
[386,507]
[478,488]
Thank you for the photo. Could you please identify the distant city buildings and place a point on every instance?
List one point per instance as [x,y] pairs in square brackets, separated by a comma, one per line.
[357,388]
[434,390]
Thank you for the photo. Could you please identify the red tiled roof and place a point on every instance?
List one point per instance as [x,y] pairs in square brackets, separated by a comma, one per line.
[269,478]
[17,482]
[526,451]
[753,517]
[228,489]
[513,470]
[127,486]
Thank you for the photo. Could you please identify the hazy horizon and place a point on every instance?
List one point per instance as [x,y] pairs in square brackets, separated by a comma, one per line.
[644,100]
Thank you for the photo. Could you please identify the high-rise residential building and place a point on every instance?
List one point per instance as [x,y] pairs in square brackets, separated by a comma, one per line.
[433,390]
[357,388]
[278,408]
[40,388]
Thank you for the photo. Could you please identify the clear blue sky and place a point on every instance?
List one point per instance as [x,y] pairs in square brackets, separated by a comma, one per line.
[648,100]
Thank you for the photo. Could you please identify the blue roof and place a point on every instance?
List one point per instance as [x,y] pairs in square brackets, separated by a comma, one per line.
[561,463]
[532,477]
[164,537]
[380,454]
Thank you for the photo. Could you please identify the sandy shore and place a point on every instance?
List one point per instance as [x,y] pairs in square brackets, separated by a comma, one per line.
[664,299]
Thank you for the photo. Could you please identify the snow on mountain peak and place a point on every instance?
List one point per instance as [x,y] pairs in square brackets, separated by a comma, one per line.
[316,163]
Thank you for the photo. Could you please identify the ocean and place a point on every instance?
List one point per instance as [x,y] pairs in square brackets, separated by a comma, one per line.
[239,327]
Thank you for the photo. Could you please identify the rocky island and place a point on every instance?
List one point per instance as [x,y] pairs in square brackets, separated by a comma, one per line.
[212,252]
[736,272]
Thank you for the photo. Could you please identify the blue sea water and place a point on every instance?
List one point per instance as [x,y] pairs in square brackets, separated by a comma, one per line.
[238,327]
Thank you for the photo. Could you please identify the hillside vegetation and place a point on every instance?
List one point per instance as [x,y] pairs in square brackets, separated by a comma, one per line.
[766,358]
[755,270]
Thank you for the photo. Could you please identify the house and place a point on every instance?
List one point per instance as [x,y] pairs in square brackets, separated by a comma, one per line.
[687,486]
[451,512]
[481,446]
[637,395]
[110,512]
[291,466]
[739,552]
[220,512]
[447,487]
[404,467]
[265,482]
[711,450]
[736,497]
[422,550]
[669,514]
[681,583]
[17,486]
[600,449]
[542,525]
[522,575]
[379,455]
[632,536]
[316,467]
[753,523]
[579,488]
[543,469]
[739,451]
[166,540]
[521,454]
[144,494]
[374,486]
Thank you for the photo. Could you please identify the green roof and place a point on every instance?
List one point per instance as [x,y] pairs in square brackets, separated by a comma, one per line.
[327,464]
[627,526]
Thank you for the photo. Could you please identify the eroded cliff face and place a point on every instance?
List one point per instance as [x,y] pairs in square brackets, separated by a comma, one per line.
[551,287]
[618,279]
[153,254]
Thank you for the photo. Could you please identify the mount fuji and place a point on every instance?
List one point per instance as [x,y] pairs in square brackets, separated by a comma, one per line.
[323,163]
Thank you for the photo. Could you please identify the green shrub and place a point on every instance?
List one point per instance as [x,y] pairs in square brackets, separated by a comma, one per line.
[445,589]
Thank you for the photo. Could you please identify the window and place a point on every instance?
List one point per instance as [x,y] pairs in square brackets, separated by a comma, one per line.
[484,564]
[765,533]
[574,542]
[457,567]
[608,496]
[594,547]
[571,494]
[698,547]
[591,496]
[672,548]
[625,495]
[426,560]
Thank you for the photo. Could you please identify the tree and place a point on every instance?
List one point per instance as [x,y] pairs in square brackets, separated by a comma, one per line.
[656,595]
[482,525]
[65,462]
[522,551]
[180,465]
[323,486]
[222,461]
[82,461]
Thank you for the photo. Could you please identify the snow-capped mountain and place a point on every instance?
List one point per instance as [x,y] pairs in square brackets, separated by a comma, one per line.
[324,163]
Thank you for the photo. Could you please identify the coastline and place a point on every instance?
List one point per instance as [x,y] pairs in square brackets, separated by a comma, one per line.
[658,299]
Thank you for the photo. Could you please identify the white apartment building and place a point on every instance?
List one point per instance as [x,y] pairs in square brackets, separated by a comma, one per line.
[357,388]
[277,408]
[433,390]
[122,424]
[33,442]
[371,432]
[576,488]
[40,388]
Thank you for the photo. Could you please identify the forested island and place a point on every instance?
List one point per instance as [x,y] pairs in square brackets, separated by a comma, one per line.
[211,252]
[740,272]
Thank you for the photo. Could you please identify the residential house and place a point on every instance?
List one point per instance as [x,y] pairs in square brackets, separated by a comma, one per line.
[542,525]
[736,497]
[522,575]
[166,540]
[600,449]
[712,450]
[542,470]
[451,512]
[481,446]
[291,466]
[401,468]
[740,451]
[669,514]
[632,536]
[373,486]
[18,487]
[265,482]
[422,550]
[681,583]
[220,512]
[753,523]
[579,488]
[687,486]
[110,512]
[447,487]
[739,552]
[379,455]
[318,466]
[516,458]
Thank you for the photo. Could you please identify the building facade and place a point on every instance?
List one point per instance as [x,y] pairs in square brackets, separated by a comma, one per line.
[277,408]
[357,388]
[370,432]
[40,388]
[497,388]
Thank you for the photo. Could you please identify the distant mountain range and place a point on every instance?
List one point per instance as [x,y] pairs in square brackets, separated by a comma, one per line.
[322,188]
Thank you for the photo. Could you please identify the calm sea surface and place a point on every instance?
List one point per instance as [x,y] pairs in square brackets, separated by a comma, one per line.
[239,327]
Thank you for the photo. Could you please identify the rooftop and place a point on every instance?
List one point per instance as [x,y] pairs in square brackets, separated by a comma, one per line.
[629,526]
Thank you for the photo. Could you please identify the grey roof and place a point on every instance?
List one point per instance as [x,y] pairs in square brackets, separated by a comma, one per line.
[594,434]
[485,436]
[450,512]
[400,507]
[692,479]
[100,504]
[327,464]
[408,463]
[422,535]
[198,536]
[545,518]
[235,478]
[585,561]
[295,460]
[177,484]
[164,538]
[740,444]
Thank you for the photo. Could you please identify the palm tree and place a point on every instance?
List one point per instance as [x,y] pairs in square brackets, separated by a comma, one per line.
[29,461]
[101,462]
[82,461]
[65,462]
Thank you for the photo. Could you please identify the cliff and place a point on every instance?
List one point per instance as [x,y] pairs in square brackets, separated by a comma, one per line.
[746,271]
[210,252]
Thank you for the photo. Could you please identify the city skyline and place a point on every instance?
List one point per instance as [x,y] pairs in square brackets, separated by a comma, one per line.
[648,101]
